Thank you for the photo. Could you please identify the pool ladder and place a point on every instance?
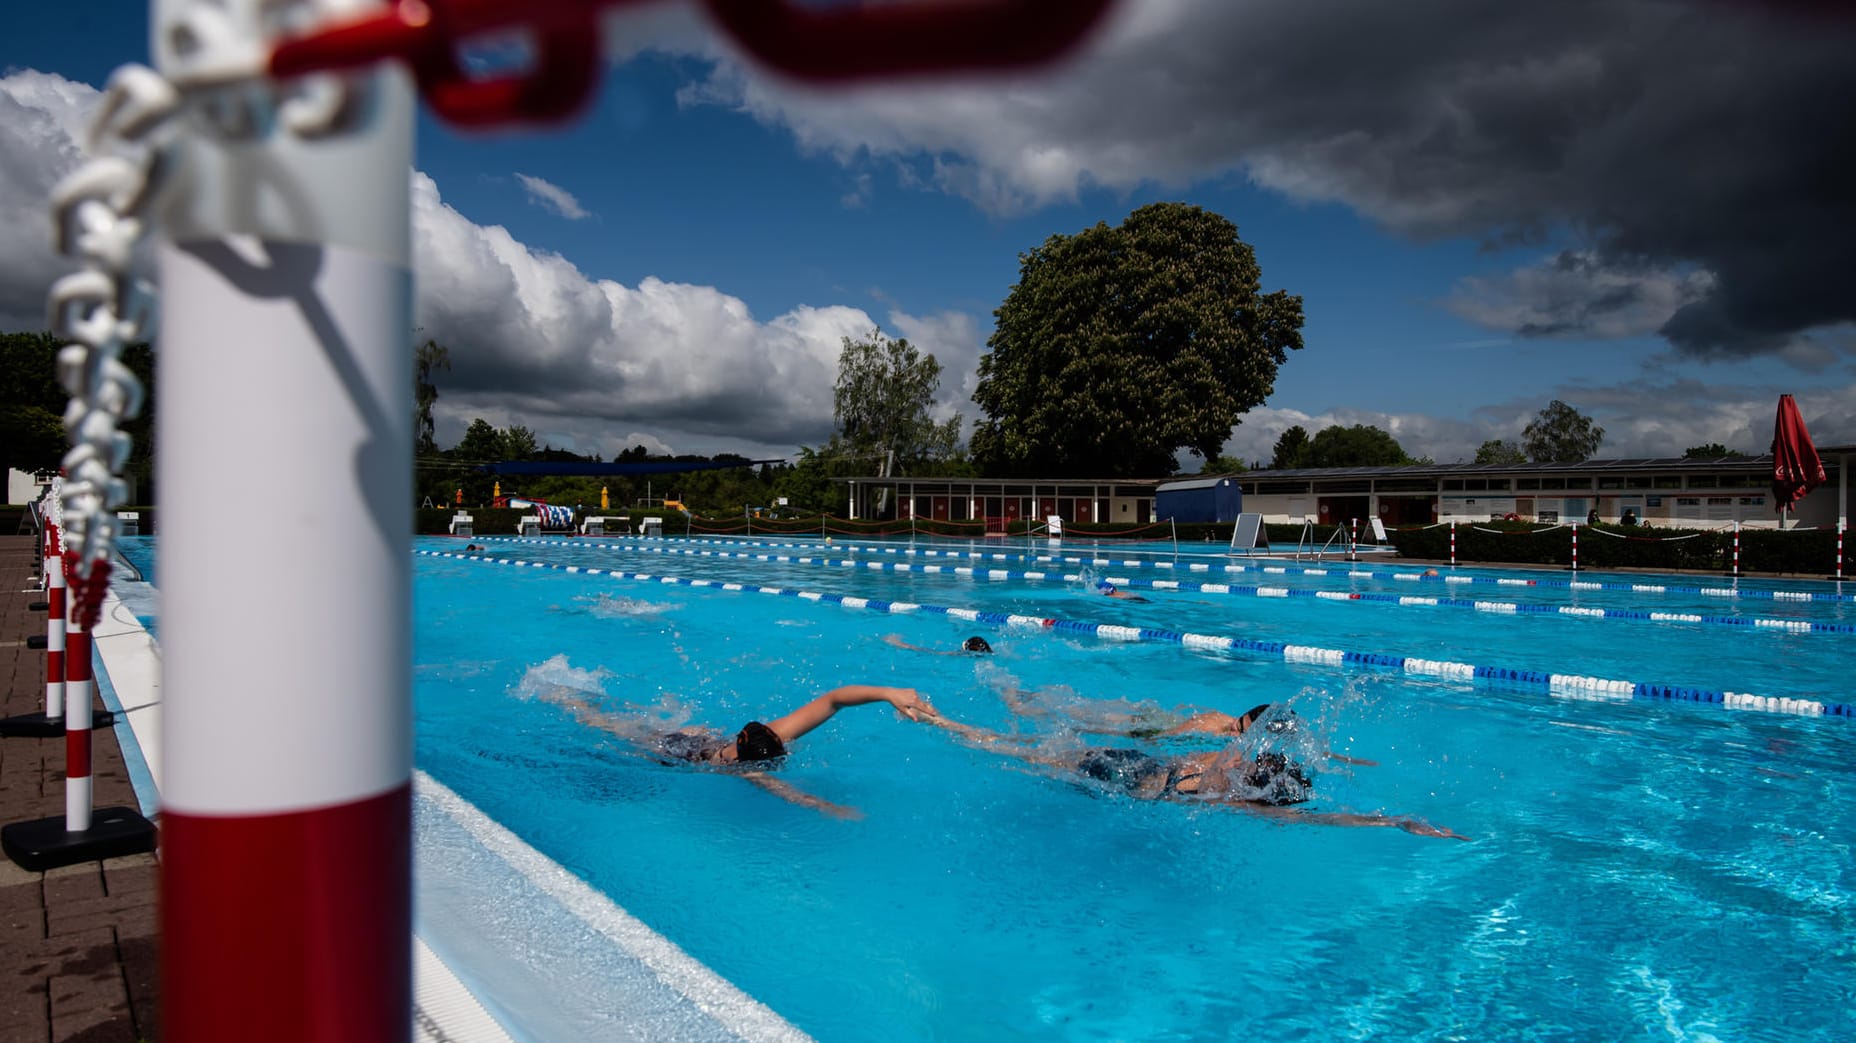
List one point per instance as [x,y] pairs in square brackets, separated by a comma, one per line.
[1306,544]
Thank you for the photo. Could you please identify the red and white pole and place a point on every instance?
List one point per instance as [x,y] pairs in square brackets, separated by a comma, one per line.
[1453,544]
[1841,525]
[1736,548]
[1575,546]
[1353,539]
[54,636]
[78,683]
[286,896]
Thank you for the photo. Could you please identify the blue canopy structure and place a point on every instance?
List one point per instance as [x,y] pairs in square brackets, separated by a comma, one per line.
[591,470]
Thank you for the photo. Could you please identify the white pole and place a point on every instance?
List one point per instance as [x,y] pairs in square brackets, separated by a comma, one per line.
[285,349]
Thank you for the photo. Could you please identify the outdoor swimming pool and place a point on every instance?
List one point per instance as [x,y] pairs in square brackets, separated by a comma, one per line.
[1648,866]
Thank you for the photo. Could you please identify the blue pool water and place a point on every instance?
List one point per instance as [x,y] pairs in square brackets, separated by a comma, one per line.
[1639,867]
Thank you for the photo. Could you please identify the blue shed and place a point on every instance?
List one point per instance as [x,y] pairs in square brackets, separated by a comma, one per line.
[1203,500]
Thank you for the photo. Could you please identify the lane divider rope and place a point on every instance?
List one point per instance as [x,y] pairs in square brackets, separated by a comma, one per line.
[1343,572]
[1746,623]
[1565,686]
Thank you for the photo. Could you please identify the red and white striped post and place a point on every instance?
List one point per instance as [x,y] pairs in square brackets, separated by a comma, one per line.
[54,636]
[78,682]
[49,723]
[1353,539]
[1575,546]
[1736,548]
[1841,525]
[286,894]
[1453,543]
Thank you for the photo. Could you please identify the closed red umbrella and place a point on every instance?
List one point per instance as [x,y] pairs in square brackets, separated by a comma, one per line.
[1796,469]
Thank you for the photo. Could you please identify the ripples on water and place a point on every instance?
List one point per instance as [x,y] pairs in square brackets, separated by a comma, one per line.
[1637,869]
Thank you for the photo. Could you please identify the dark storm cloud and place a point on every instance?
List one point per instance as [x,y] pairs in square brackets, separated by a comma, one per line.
[1676,135]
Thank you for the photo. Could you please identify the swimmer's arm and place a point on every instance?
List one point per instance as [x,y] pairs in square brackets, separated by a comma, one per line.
[822,709]
[793,794]
[896,639]
[1418,827]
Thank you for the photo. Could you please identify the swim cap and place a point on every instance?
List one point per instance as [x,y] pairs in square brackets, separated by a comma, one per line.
[1103,584]
[976,643]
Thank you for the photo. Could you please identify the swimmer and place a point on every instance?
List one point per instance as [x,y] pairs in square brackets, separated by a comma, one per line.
[1429,573]
[1265,783]
[975,645]
[1138,721]
[474,549]
[1107,589]
[755,744]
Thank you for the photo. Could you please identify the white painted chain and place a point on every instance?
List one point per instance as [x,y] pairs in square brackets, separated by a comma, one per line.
[98,215]
[101,211]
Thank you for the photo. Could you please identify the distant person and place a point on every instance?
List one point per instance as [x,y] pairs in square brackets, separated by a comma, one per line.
[474,549]
[1428,573]
[975,645]
[1107,589]
[754,748]
[1265,783]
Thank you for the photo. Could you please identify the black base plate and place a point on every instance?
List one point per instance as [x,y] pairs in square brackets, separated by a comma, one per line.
[46,844]
[39,726]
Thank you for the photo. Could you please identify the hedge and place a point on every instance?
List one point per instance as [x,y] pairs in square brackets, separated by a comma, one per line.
[1797,551]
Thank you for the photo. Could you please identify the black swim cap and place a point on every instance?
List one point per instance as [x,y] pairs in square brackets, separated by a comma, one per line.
[976,643]
[757,742]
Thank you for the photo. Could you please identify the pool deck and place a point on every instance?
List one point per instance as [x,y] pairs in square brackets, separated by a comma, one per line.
[79,943]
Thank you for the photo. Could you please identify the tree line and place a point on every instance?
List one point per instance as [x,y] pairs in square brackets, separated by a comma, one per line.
[1117,349]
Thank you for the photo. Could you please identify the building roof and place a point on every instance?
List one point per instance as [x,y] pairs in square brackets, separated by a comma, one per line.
[1723,463]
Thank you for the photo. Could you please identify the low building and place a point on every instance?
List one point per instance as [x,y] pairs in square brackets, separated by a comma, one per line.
[1685,493]
[1001,501]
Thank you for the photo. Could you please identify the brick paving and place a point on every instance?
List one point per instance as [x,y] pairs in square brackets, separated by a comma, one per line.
[81,941]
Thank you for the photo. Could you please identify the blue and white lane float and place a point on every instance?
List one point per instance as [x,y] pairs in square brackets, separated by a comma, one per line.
[1564,686]
[1796,626]
[1345,573]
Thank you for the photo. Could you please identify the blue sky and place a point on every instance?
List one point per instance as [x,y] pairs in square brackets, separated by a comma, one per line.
[1484,207]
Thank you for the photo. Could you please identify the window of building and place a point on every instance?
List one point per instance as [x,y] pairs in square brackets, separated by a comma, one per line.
[1637,481]
[1704,481]
[1527,483]
[1666,481]
[1610,482]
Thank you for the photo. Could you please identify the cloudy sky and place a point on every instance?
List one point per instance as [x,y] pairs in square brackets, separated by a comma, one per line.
[1645,208]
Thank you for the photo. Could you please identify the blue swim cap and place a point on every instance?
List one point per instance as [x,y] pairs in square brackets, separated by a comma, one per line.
[1103,584]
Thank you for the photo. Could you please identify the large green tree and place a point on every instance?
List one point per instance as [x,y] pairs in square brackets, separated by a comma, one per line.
[882,404]
[1291,447]
[32,405]
[1119,346]
[427,359]
[1361,445]
[1560,434]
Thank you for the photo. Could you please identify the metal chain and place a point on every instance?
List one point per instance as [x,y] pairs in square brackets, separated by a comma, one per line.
[102,211]
[98,217]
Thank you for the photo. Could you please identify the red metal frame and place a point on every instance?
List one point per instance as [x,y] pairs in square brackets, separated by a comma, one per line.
[824,45]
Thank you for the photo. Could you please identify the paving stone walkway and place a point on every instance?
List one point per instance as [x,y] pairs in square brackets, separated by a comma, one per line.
[78,945]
